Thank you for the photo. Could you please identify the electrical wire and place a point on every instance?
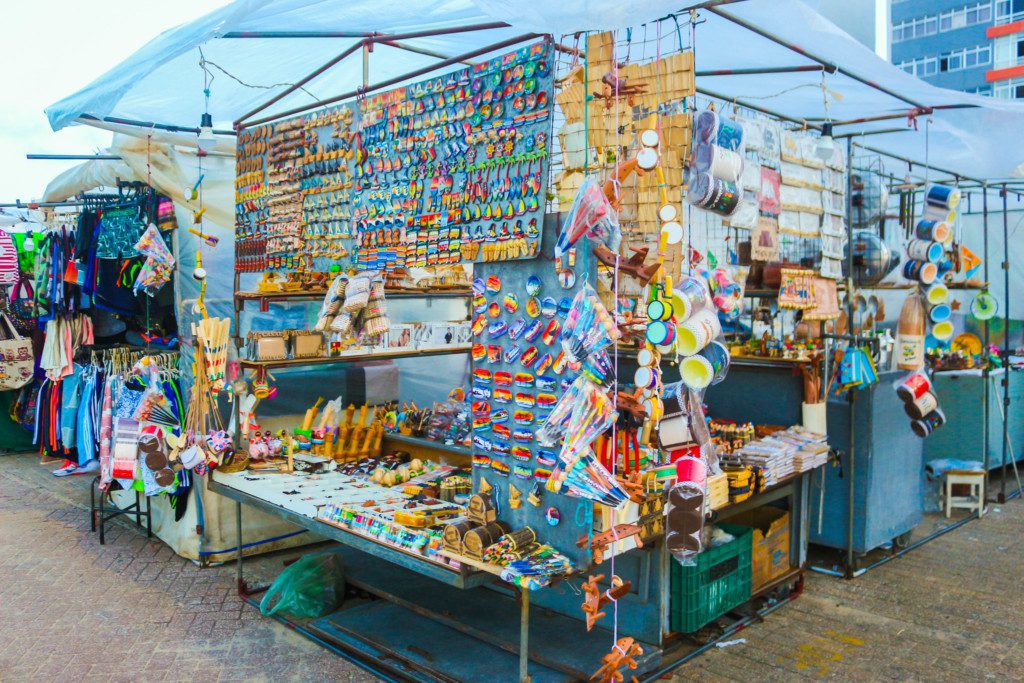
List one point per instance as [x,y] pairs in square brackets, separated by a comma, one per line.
[203,62]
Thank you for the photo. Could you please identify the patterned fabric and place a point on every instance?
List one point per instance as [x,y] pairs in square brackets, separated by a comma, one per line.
[121,230]
[8,260]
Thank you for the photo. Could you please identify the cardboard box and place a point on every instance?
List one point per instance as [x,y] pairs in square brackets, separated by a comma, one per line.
[770,543]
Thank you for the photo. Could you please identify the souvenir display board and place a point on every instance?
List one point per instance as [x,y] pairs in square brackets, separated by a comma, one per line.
[448,170]
[518,374]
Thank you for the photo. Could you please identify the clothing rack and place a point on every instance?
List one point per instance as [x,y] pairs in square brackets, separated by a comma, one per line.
[122,358]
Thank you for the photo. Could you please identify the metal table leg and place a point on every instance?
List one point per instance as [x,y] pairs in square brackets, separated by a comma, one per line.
[239,581]
[524,636]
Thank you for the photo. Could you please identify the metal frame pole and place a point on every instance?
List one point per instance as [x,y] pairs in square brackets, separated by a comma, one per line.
[297,34]
[239,581]
[754,107]
[933,167]
[367,40]
[524,635]
[865,133]
[366,63]
[148,124]
[758,70]
[392,81]
[420,50]
[813,126]
[986,372]
[1006,341]
[813,57]
[72,157]
[852,395]
[302,81]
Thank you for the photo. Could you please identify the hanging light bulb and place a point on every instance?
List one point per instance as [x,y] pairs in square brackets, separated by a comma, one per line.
[826,146]
[207,140]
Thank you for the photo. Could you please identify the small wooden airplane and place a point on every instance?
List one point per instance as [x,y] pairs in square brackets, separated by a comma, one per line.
[623,653]
[601,541]
[596,598]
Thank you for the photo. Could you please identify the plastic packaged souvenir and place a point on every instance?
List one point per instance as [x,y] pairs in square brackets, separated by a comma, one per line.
[592,215]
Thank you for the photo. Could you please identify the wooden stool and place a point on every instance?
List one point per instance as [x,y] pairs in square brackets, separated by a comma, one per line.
[974,501]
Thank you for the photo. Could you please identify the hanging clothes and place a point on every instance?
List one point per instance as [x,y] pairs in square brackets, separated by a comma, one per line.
[106,433]
[85,431]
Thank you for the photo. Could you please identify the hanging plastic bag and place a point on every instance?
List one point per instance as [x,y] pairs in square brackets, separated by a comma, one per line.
[592,215]
[312,587]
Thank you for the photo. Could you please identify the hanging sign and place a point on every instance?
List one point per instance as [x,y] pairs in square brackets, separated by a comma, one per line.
[795,291]
[764,240]
[825,300]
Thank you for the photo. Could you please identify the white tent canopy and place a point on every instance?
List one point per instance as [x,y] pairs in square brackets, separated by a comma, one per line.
[255,48]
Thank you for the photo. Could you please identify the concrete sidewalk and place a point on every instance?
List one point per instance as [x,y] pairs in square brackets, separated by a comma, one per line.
[132,610]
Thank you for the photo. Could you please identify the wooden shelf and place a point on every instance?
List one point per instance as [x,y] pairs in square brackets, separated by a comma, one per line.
[389,294]
[428,443]
[950,285]
[765,361]
[470,562]
[353,357]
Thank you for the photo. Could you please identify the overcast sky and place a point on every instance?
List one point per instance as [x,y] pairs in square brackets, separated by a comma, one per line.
[52,48]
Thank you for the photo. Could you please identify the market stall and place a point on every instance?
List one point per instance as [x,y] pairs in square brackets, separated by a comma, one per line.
[634,331]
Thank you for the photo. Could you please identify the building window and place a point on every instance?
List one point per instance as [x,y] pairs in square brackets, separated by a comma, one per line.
[967,58]
[1008,51]
[921,67]
[980,90]
[967,15]
[1012,89]
[1008,11]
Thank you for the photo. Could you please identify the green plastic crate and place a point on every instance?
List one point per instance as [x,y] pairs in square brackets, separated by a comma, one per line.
[716,584]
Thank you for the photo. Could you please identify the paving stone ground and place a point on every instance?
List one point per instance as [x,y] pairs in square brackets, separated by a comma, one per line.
[132,610]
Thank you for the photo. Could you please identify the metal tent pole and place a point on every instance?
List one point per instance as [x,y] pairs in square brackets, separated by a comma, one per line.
[933,167]
[813,57]
[758,70]
[986,372]
[865,133]
[1006,343]
[754,107]
[367,48]
[392,81]
[852,395]
[366,44]
[297,34]
[302,81]
[149,124]
[72,157]
[421,51]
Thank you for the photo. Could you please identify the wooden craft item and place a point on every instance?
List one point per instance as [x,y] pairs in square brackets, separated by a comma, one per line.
[534,497]
[520,538]
[307,344]
[632,405]
[600,542]
[595,598]
[633,266]
[478,539]
[634,485]
[482,509]
[614,184]
[622,654]
[454,533]
[515,498]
